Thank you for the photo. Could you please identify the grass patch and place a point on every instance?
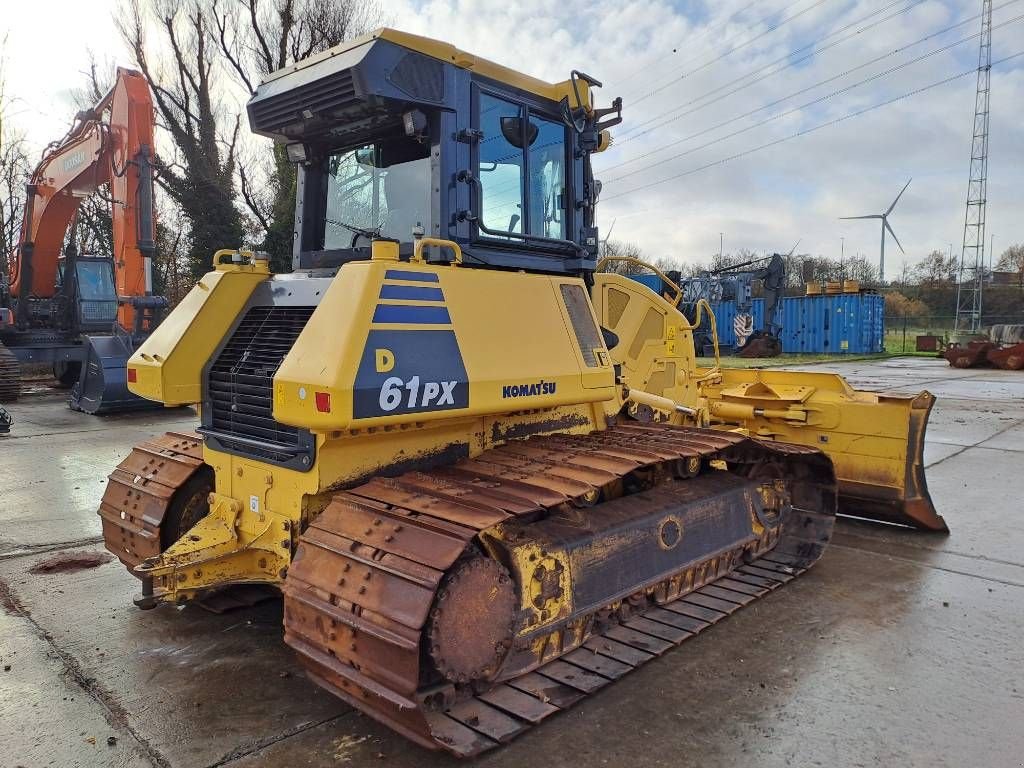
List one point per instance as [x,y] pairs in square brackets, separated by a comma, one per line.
[793,359]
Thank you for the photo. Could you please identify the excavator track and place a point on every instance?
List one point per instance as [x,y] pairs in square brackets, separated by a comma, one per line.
[142,489]
[400,598]
[10,376]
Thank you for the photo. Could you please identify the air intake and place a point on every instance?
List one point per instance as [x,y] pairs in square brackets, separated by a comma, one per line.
[239,414]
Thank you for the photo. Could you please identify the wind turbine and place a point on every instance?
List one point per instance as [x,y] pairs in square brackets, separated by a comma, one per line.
[885,225]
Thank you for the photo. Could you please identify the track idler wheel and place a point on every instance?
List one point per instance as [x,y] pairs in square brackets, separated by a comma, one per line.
[67,373]
[472,620]
[189,505]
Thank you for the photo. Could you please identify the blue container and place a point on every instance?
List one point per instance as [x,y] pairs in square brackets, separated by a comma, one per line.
[845,323]
[650,280]
[836,324]
[725,317]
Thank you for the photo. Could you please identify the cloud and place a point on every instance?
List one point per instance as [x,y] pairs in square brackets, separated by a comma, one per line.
[762,201]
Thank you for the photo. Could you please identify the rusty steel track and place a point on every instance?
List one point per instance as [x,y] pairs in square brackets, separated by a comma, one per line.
[141,490]
[374,574]
[10,376]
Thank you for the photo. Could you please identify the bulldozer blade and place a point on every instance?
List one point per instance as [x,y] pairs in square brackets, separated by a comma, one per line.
[908,503]
[103,384]
[875,440]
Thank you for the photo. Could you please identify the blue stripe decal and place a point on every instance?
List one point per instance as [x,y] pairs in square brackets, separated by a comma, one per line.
[419,277]
[392,313]
[411,292]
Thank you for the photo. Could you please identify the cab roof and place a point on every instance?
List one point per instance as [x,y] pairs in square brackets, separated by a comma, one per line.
[449,54]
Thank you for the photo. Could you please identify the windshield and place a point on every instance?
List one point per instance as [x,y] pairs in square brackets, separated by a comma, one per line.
[97,297]
[96,281]
[382,188]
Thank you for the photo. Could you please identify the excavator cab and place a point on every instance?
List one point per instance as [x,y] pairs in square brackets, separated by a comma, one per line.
[91,296]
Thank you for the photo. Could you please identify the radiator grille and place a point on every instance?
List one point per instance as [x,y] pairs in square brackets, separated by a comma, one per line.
[320,97]
[240,386]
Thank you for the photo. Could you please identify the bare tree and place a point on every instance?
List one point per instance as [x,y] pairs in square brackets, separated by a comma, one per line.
[1012,260]
[199,176]
[15,168]
[257,37]
[937,268]
[616,249]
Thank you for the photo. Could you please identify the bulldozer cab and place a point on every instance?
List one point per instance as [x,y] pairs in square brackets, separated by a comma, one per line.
[397,137]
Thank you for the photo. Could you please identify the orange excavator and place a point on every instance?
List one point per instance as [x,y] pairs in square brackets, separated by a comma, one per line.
[82,313]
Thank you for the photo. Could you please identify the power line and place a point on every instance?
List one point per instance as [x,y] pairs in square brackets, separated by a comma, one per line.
[701,37]
[632,134]
[812,129]
[810,103]
[755,38]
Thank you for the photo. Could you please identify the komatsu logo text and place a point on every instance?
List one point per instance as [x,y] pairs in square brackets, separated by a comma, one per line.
[528,390]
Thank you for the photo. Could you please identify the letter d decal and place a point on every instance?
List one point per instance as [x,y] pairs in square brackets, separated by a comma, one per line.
[385,360]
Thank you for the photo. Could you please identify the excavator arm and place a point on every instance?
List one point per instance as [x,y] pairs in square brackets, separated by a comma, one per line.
[110,143]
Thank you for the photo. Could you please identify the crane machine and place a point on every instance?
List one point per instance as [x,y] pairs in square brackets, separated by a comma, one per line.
[488,477]
[85,314]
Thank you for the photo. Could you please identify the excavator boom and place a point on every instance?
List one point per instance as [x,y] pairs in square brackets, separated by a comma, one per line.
[87,315]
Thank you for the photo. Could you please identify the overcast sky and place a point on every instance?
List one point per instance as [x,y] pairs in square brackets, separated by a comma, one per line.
[675,64]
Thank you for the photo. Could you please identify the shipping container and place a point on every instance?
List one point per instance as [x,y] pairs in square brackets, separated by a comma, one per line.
[838,324]
[725,318]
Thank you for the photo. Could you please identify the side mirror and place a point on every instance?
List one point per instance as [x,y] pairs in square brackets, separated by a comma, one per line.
[512,130]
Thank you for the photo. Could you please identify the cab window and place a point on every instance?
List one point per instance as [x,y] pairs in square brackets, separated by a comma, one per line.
[521,170]
[547,179]
[501,165]
[382,188]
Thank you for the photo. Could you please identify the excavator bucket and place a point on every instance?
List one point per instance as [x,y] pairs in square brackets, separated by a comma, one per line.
[875,440]
[103,384]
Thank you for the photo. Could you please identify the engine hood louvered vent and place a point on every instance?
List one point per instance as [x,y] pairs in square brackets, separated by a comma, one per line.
[239,416]
[321,97]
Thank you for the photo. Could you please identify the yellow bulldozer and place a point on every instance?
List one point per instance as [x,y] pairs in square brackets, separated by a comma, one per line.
[488,476]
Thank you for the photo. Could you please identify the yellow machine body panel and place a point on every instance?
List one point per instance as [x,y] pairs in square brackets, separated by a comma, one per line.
[655,349]
[392,344]
[399,367]
[168,366]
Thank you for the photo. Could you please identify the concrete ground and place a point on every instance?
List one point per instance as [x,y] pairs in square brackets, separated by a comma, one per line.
[898,648]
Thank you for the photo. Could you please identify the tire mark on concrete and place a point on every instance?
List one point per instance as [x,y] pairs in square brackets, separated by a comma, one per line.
[978,444]
[933,566]
[249,749]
